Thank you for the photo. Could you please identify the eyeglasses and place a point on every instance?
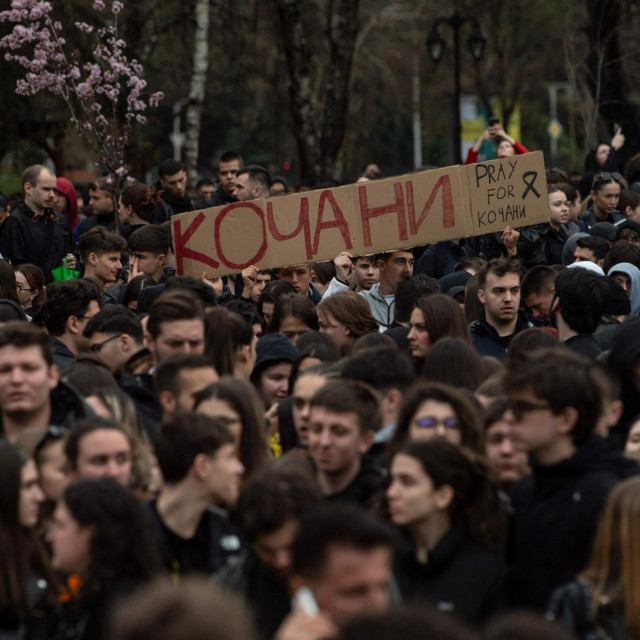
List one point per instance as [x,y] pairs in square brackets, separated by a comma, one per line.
[519,408]
[95,348]
[429,422]
[21,288]
[605,176]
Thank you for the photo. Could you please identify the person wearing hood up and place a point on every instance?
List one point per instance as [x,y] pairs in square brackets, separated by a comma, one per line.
[66,202]
[628,277]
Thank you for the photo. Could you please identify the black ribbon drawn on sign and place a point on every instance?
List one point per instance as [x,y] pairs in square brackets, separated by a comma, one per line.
[532,175]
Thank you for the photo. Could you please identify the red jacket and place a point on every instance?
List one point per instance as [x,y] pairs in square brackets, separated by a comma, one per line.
[472,156]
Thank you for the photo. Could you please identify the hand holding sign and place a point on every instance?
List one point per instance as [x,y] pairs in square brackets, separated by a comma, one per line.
[250,277]
[383,215]
[343,265]
[510,238]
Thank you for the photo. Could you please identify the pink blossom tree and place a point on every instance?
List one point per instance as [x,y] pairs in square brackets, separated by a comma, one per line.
[105,94]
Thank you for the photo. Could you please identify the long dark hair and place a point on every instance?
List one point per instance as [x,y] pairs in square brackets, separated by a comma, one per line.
[35,277]
[225,333]
[242,397]
[455,362]
[142,199]
[8,285]
[20,549]
[121,546]
[443,318]
[294,305]
[475,503]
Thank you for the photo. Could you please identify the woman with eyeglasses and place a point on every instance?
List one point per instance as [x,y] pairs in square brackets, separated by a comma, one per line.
[24,575]
[445,504]
[605,194]
[31,289]
[431,410]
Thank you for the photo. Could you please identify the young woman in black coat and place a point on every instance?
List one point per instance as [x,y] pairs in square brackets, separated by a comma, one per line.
[442,499]
[24,578]
[99,534]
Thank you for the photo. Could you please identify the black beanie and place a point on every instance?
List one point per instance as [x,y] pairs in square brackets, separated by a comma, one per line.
[272,348]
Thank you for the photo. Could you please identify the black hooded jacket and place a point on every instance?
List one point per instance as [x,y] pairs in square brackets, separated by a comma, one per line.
[461,576]
[625,351]
[363,489]
[556,511]
[487,341]
[41,240]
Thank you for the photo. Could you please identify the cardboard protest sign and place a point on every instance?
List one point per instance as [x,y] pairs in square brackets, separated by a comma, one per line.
[403,212]
[385,215]
[510,192]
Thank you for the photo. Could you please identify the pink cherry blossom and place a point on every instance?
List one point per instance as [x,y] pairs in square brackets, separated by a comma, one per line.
[105,83]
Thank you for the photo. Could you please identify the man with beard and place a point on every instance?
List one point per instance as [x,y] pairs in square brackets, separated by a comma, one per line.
[103,206]
[270,507]
[501,319]
[173,191]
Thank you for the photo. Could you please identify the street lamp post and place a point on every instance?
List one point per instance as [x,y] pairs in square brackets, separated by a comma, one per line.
[436,44]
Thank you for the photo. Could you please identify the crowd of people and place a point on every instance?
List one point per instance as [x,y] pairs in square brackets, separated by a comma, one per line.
[437,442]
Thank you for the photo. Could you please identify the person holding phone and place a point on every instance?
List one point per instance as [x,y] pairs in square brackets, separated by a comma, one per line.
[340,569]
[603,157]
[507,147]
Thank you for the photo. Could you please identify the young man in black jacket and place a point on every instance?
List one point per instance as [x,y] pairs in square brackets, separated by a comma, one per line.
[501,317]
[554,408]
[202,475]
[579,303]
[345,416]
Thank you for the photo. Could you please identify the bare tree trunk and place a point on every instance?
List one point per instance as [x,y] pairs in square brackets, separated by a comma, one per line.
[301,101]
[342,31]
[319,124]
[197,89]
